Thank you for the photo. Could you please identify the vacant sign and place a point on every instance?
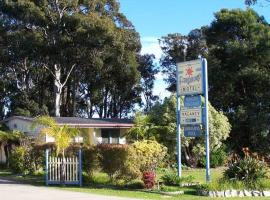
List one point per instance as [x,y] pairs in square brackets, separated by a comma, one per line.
[190,78]
[191,116]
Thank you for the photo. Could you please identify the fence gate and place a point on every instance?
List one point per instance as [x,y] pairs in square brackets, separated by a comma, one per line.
[72,168]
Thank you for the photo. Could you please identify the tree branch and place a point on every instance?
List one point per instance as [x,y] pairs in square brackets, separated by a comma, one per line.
[68,74]
[52,73]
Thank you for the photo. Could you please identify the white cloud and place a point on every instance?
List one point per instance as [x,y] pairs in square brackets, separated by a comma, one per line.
[150,45]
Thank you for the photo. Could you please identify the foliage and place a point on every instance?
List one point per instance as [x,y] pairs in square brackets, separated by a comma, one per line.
[90,160]
[135,185]
[112,158]
[249,170]
[148,70]
[239,52]
[20,160]
[237,48]
[8,139]
[149,179]
[131,166]
[217,158]
[141,128]
[172,179]
[88,47]
[63,135]
[150,153]
[177,48]
[163,119]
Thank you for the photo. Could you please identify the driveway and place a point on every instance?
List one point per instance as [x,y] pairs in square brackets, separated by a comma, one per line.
[10,190]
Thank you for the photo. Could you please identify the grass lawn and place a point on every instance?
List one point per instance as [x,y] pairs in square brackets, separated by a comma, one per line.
[103,189]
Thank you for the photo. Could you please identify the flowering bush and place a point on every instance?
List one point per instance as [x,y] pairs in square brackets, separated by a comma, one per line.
[250,169]
[149,179]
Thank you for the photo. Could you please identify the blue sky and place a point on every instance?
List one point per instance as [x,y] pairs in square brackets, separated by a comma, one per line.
[156,18]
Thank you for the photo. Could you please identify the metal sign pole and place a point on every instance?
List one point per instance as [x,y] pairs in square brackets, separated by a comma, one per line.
[178,128]
[205,77]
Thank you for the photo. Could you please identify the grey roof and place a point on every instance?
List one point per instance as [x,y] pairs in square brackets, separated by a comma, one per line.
[84,122]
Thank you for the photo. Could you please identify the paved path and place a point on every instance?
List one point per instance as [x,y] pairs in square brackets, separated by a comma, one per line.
[12,191]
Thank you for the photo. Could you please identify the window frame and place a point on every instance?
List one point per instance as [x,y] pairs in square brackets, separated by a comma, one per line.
[110,132]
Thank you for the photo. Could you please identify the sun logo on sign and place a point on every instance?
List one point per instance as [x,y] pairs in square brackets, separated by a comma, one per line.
[189,71]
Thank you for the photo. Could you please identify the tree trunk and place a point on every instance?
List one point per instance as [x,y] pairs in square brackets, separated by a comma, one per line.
[74,92]
[57,90]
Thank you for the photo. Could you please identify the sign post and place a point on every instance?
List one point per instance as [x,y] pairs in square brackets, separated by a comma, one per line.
[178,128]
[206,125]
[192,82]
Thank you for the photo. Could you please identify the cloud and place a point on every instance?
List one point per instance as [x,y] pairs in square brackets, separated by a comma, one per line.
[150,45]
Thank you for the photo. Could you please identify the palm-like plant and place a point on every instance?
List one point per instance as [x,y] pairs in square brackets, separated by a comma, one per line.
[7,138]
[63,136]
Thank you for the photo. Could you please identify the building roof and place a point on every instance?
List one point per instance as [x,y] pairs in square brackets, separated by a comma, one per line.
[84,122]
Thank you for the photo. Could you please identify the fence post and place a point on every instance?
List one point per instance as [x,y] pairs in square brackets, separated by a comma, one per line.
[80,167]
[47,166]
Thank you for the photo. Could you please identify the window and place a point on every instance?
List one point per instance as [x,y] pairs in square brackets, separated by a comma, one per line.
[110,136]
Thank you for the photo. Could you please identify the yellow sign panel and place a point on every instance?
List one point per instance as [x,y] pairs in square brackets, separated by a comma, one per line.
[190,78]
[191,116]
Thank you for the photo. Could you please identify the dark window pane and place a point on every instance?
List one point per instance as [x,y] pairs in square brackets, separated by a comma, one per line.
[110,136]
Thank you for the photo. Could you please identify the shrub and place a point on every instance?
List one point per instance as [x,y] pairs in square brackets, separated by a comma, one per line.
[217,158]
[90,160]
[37,157]
[111,158]
[150,154]
[131,166]
[172,179]
[250,170]
[149,179]
[20,160]
[135,185]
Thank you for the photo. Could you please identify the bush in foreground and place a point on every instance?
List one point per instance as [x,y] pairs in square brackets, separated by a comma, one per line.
[250,170]
[172,179]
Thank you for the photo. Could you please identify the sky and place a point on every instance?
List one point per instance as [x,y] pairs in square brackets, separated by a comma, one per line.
[156,18]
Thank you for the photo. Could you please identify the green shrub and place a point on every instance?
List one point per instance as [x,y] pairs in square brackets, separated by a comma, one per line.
[112,158]
[217,158]
[37,157]
[248,170]
[90,160]
[135,185]
[172,179]
[20,160]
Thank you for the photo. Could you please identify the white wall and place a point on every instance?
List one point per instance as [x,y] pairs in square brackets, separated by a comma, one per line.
[22,126]
[25,127]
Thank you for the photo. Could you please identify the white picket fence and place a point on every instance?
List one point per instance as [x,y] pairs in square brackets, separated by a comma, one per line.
[72,170]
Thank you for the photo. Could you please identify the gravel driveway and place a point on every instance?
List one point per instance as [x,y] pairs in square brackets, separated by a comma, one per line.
[13,191]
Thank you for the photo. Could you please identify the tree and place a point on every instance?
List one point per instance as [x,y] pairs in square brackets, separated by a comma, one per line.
[141,129]
[148,70]
[162,118]
[8,139]
[239,52]
[63,136]
[253,2]
[177,48]
[67,39]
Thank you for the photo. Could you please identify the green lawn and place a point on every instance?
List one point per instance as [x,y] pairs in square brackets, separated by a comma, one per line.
[105,189]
